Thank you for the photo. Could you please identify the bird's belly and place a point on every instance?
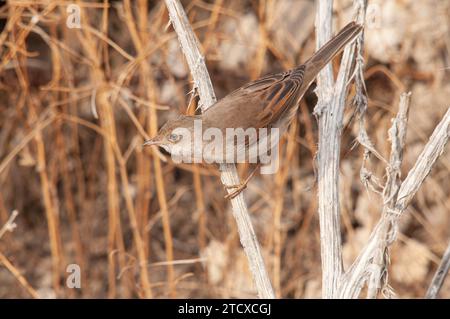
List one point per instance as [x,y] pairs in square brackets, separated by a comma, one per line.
[257,150]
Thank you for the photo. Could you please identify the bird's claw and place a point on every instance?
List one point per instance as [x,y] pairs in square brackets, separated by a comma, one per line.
[237,190]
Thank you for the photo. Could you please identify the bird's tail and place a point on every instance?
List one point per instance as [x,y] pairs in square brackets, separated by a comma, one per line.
[331,49]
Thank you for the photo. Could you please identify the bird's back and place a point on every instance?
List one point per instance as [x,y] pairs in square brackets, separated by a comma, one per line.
[258,104]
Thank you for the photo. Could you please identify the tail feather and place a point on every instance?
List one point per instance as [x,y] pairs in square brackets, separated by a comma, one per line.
[328,51]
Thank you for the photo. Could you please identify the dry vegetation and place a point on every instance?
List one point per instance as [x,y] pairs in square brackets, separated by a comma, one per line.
[76,105]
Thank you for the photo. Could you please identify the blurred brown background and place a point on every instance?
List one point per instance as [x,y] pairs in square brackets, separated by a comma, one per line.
[76,104]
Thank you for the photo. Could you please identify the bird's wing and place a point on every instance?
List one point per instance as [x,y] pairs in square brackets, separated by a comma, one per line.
[276,94]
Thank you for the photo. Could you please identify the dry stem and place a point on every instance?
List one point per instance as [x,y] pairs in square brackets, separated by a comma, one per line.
[229,176]
[397,136]
[439,276]
[330,112]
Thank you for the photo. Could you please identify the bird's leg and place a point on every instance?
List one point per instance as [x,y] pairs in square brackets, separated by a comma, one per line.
[241,186]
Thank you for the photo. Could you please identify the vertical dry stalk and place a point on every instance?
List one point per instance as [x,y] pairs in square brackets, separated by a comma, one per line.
[143,163]
[80,176]
[388,221]
[50,209]
[106,121]
[280,182]
[70,202]
[439,276]
[47,186]
[153,126]
[229,176]
[114,233]
[111,151]
[56,58]
[330,112]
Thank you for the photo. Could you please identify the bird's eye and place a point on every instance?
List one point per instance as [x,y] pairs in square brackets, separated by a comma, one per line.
[174,138]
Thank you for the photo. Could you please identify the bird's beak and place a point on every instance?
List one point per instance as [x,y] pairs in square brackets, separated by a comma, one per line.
[153,141]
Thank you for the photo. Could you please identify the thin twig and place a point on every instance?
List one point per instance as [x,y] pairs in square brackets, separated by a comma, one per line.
[10,224]
[229,176]
[439,276]
[434,148]
[330,112]
[16,273]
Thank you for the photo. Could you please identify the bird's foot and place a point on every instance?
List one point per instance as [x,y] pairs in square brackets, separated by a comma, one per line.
[241,186]
[237,190]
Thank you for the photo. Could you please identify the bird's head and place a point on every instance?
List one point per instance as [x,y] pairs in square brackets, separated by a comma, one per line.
[176,136]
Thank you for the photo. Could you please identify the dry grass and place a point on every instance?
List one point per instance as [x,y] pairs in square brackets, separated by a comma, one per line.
[76,104]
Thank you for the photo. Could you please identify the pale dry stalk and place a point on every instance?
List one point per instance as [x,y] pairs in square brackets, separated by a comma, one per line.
[330,112]
[229,175]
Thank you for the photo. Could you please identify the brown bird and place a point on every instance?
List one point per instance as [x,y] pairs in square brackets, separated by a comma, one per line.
[267,103]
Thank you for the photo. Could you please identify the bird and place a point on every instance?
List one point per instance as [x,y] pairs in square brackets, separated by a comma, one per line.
[269,103]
